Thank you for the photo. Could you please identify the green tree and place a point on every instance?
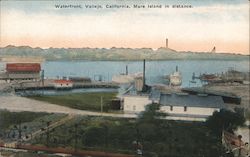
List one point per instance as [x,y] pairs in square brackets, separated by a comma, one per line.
[225,119]
[152,114]
[94,136]
[248,114]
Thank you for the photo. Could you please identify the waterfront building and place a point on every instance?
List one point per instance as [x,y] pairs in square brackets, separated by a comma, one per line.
[22,71]
[135,103]
[183,106]
[178,106]
[63,84]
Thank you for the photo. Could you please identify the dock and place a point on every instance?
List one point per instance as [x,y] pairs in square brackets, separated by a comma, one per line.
[48,85]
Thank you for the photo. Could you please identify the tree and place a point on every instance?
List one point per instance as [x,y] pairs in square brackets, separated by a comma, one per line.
[247,114]
[152,115]
[94,136]
[149,124]
[225,119]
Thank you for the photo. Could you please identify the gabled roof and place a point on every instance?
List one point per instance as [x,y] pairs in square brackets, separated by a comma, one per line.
[23,67]
[205,101]
[63,81]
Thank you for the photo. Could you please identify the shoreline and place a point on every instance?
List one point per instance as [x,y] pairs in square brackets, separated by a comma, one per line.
[246,58]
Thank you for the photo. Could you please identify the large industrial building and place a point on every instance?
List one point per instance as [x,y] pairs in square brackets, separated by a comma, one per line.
[22,71]
[179,106]
[183,106]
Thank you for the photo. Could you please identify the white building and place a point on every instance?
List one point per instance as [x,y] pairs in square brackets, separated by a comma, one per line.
[178,106]
[135,103]
[190,107]
[63,84]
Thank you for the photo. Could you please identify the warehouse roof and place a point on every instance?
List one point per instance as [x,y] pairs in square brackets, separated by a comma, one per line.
[23,67]
[63,81]
[206,101]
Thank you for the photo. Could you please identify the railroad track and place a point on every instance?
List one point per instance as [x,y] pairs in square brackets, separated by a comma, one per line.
[39,132]
[51,126]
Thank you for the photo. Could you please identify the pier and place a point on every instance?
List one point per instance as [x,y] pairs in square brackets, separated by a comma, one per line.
[49,85]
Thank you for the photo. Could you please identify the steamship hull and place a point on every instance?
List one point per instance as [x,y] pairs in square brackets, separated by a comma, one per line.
[124,79]
[175,79]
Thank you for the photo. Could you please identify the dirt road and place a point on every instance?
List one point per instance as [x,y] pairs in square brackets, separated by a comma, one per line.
[18,104]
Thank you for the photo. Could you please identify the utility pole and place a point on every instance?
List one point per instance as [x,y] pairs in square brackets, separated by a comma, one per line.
[19,128]
[76,137]
[47,133]
[101,104]
[106,136]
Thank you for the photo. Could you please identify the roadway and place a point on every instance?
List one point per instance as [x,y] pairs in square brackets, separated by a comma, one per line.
[17,104]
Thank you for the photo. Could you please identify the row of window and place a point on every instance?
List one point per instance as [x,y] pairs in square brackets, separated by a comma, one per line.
[172,108]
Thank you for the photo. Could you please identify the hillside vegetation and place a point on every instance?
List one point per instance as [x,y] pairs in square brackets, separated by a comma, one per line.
[113,54]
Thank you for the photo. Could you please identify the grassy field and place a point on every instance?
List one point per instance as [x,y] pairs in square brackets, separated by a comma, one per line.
[82,101]
[12,118]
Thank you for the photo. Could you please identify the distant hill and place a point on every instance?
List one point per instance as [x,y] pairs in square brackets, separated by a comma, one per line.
[115,54]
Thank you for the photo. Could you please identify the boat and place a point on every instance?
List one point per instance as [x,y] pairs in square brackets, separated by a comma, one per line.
[210,77]
[233,75]
[175,79]
[125,78]
[192,81]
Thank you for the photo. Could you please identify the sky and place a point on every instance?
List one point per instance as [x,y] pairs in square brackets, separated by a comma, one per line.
[220,23]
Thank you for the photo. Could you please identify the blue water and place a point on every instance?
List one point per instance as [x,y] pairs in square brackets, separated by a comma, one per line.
[63,92]
[155,70]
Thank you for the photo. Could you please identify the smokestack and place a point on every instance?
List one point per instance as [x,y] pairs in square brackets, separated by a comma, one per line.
[144,65]
[167,43]
[42,77]
[176,68]
[144,79]
[126,69]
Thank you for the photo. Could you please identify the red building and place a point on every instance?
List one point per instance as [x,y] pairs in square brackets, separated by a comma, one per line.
[63,84]
[23,71]
[23,67]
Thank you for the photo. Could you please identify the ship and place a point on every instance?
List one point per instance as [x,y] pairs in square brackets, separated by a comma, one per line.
[126,78]
[211,78]
[175,79]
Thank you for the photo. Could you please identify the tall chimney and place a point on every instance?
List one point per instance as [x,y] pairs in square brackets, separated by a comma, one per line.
[144,79]
[42,77]
[166,42]
[176,68]
[126,69]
